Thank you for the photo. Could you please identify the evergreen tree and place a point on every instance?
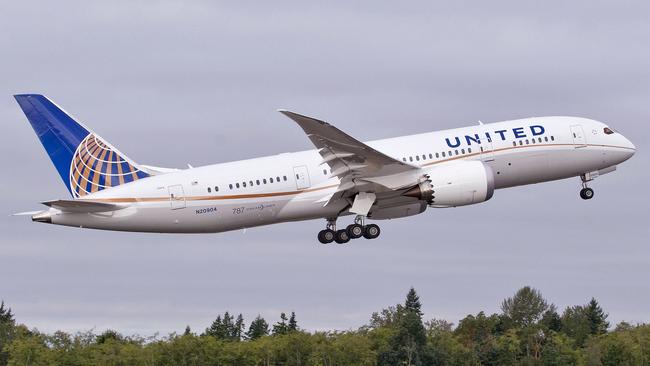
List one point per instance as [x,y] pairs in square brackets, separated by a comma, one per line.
[258,328]
[526,307]
[551,319]
[238,329]
[281,327]
[407,345]
[226,328]
[293,324]
[188,331]
[7,330]
[597,318]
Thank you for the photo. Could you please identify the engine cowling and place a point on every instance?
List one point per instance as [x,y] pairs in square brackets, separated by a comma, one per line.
[455,184]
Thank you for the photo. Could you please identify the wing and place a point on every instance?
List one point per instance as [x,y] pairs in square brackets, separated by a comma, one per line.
[358,166]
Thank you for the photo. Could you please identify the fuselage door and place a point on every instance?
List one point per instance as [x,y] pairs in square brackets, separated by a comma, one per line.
[578,135]
[176,196]
[301,173]
[487,151]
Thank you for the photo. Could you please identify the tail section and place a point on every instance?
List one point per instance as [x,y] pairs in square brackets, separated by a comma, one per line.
[85,161]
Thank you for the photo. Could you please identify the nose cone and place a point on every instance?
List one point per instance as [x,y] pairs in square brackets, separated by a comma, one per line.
[629,147]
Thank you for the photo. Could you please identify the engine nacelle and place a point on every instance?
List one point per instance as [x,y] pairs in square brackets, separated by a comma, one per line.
[455,184]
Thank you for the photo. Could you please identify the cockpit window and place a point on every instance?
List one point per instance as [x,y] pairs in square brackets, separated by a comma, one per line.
[608,131]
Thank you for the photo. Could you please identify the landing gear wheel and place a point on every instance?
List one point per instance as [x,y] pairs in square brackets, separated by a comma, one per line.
[355,231]
[326,236]
[371,231]
[342,237]
[586,193]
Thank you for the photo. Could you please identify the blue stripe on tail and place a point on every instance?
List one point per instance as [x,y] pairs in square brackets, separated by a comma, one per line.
[58,132]
[71,146]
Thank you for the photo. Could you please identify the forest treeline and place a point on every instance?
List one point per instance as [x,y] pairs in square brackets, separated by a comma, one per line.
[529,330]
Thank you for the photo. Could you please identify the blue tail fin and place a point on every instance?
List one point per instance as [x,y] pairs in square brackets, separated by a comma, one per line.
[85,162]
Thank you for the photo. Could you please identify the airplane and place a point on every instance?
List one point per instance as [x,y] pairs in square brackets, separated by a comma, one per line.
[376,180]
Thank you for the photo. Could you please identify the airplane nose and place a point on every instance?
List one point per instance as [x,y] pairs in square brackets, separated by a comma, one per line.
[630,146]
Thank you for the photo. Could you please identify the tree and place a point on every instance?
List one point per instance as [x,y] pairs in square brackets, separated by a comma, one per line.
[293,324]
[551,320]
[226,328]
[407,345]
[258,328]
[575,324]
[526,307]
[7,324]
[596,317]
[281,327]
[188,330]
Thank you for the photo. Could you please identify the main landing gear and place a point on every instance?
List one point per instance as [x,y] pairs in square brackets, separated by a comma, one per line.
[586,193]
[353,231]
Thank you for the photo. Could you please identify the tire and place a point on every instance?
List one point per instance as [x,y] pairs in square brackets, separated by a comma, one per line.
[586,193]
[326,236]
[371,231]
[342,237]
[355,231]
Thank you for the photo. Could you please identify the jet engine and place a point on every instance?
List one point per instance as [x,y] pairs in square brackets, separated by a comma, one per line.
[455,184]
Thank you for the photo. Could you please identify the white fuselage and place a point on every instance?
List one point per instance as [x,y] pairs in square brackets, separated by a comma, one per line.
[295,186]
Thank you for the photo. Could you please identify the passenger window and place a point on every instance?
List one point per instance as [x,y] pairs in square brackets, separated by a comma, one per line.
[285,178]
[450,154]
[532,141]
[521,142]
[462,151]
[237,185]
[216,188]
[277,179]
[443,154]
[456,152]
[230,185]
[251,183]
[417,157]
[324,171]
[552,138]
[244,184]
[514,143]
[271,179]
[424,157]
[437,155]
[404,159]
[209,190]
[410,158]
[527,142]
[546,138]
[430,156]
[258,182]
[264,180]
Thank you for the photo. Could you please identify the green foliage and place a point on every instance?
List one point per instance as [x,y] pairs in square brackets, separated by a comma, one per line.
[525,307]
[529,332]
[258,328]
[226,328]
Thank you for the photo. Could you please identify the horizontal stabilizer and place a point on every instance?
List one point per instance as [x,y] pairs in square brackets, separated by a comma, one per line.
[83,206]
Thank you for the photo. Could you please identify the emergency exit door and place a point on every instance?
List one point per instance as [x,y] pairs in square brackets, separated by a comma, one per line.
[301,173]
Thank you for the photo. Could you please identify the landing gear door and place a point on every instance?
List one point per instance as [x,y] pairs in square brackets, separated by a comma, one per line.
[301,173]
[578,135]
[176,197]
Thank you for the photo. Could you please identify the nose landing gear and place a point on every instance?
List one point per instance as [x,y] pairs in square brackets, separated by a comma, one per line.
[586,193]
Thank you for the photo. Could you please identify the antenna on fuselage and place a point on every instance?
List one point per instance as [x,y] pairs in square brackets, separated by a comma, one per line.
[480,123]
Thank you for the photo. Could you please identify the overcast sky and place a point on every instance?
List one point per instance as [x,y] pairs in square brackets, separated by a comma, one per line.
[171,83]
